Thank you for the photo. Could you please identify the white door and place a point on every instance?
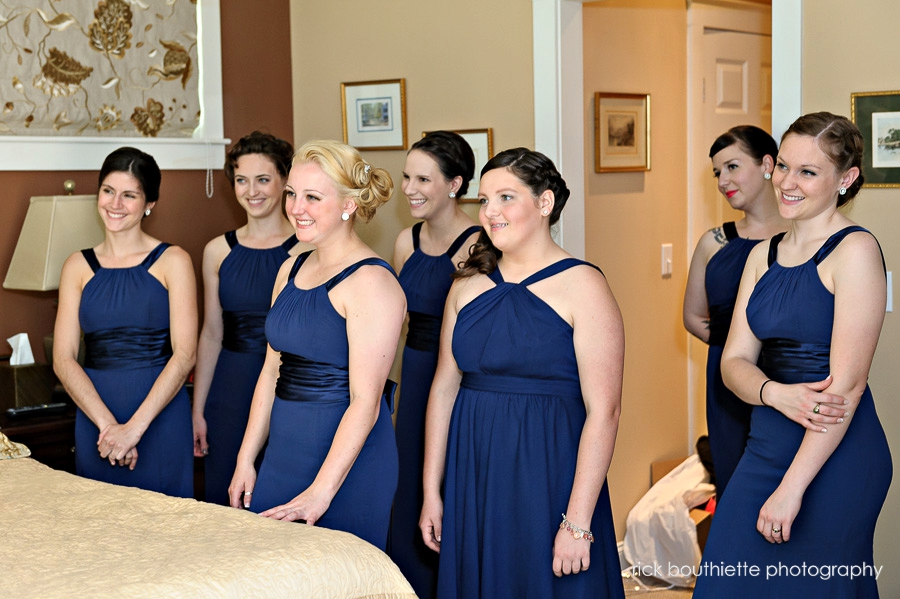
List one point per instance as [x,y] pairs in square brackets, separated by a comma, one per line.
[730,62]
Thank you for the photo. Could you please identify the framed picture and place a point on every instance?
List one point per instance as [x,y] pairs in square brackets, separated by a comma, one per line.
[877,114]
[374,114]
[621,132]
[482,143]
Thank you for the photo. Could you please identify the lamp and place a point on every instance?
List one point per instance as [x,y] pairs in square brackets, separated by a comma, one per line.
[54,228]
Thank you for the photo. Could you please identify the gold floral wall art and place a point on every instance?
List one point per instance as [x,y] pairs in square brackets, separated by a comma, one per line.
[106,68]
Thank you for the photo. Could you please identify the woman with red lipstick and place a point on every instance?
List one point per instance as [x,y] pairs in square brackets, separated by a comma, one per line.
[239,271]
[321,399]
[135,299]
[438,170]
[742,161]
[802,504]
[523,412]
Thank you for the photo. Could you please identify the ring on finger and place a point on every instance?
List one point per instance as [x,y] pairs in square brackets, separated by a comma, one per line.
[816,409]
[776,531]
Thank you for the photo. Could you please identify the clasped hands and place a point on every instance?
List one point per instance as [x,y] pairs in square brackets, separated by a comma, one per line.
[118,444]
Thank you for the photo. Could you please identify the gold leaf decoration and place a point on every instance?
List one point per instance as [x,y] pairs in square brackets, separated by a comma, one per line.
[149,120]
[108,118]
[61,75]
[176,63]
[8,107]
[111,30]
[61,120]
[59,22]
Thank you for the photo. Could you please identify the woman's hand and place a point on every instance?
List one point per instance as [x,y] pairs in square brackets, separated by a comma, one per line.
[201,445]
[570,555]
[307,507]
[117,441]
[777,515]
[806,403]
[430,523]
[240,491]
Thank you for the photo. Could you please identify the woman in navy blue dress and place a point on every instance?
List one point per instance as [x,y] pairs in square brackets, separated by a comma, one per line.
[524,408]
[742,159]
[333,329]
[134,298]
[810,308]
[239,270]
[438,170]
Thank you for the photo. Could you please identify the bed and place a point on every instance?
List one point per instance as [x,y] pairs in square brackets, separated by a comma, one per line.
[66,536]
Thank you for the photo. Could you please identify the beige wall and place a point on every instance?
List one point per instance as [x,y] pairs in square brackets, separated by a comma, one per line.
[640,46]
[843,55]
[467,65]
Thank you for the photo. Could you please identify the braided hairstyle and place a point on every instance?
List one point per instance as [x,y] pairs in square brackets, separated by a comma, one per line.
[277,150]
[453,155]
[839,139]
[368,186]
[535,171]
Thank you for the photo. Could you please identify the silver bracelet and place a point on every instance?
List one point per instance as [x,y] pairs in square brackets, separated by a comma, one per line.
[578,533]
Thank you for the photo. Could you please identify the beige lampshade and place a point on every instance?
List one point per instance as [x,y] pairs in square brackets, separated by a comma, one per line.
[54,228]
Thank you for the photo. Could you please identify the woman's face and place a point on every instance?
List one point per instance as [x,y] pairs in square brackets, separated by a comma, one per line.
[805,179]
[257,185]
[509,213]
[121,201]
[425,187]
[741,179]
[313,203]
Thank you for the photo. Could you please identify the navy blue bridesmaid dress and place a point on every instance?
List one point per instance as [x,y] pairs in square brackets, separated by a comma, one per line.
[727,417]
[311,396]
[511,453]
[426,281]
[124,314]
[792,313]
[246,278]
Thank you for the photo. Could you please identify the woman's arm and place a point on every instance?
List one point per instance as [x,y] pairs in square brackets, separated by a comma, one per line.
[374,306]
[444,388]
[695,310]
[240,490]
[176,273]
[210,343]
[857,273]
[599,338]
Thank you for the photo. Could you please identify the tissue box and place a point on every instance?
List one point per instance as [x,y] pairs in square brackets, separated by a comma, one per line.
[29,385]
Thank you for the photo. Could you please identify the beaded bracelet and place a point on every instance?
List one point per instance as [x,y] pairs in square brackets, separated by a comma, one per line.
[578,533]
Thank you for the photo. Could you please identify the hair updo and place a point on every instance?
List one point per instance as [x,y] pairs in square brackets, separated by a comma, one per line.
[277,150]
[139,165]
[453,155]
[752,140]
[368,186]
[839,139]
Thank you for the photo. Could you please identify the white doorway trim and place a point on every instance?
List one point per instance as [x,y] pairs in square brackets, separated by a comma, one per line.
[787,64]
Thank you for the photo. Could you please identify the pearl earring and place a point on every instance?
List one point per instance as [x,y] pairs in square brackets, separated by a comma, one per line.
[345,216]
[767,176]
[452,194]
[545,212]
[842,191]
[147,212]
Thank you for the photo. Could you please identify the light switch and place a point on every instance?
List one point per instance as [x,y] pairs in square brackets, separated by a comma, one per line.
[666,261]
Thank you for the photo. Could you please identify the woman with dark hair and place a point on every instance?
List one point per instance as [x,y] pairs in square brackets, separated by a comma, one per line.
[135,299]
[333,329]
[810,309]
[239,270]
[438,170]
[524,408]
[742,160]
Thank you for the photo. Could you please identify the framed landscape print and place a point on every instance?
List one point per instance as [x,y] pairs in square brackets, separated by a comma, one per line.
[374,114]
[621,132]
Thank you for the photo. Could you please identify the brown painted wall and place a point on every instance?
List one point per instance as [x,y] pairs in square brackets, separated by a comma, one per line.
[256,81]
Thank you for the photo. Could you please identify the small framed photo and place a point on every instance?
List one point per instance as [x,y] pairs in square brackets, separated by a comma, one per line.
[621,132]
[482,144]
[877,114]
[374,114]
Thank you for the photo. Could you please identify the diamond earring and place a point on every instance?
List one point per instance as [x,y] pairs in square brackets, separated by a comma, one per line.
[452,194]
[767,176]
[147,212]
[842,190]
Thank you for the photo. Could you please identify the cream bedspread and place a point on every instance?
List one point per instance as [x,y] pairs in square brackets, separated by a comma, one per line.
[66,536]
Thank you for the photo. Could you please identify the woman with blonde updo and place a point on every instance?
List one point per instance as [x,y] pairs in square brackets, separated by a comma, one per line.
[332,331]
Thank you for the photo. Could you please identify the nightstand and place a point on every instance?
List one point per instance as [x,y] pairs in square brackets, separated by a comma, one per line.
[50,437]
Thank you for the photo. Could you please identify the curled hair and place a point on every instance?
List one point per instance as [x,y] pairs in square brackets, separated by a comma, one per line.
[368,186]
[277,150]
[752,140]
[453,155]
[539,174]
[839,139]
[138,164]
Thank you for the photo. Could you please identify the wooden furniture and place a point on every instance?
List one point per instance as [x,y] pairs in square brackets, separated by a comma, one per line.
[50,437]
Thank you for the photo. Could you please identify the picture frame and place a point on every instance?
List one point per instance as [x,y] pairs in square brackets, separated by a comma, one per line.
[374,114]
[877,114]
[621,132]
[482,143]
